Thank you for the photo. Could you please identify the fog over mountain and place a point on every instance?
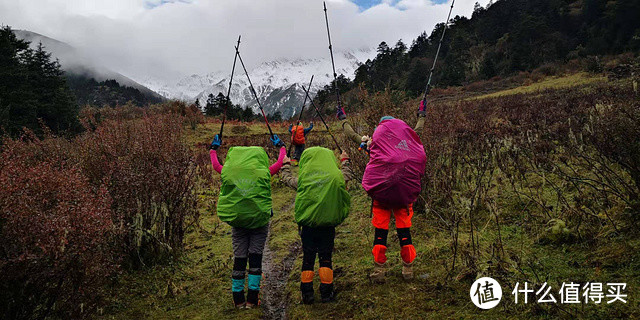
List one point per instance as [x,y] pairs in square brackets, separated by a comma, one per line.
[77,63]
[184,48]
[173,39]
[278,83]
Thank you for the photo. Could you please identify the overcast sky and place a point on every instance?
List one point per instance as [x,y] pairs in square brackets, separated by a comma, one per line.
[173,38]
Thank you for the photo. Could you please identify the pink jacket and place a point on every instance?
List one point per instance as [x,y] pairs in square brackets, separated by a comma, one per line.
[274,168]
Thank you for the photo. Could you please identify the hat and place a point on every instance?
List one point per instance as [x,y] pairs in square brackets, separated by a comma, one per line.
[386,118]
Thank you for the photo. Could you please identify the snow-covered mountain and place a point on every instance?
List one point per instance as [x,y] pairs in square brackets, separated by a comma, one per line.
[278,83]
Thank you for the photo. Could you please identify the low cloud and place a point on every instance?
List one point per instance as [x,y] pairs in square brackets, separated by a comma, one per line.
[173,38]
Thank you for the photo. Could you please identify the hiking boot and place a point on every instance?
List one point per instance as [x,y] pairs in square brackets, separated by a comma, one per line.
[238,300]
[327,293]
[306,288]
[407,270]
[307,298]
[252,299]
[379,272]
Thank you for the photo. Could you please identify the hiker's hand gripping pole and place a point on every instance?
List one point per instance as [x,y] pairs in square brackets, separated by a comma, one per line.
[322,118]
[226,104]
[254,93]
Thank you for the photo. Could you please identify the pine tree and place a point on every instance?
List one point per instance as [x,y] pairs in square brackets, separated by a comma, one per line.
[33,89]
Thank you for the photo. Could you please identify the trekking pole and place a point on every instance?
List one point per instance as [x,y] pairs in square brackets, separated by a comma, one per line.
[322,118]
[299,118]
[333,65]
[428,87]
[224,115]
[254,92]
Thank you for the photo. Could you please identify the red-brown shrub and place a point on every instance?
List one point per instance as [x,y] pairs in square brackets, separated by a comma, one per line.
[149,173]
[55,233]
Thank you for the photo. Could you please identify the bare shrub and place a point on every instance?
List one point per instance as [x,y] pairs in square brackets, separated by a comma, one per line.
[56,232]
[149,173]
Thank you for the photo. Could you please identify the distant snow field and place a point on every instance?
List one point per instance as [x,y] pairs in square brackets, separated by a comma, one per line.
[278,83]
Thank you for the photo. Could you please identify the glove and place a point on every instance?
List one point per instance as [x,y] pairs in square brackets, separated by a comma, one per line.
[340,113]
[215,144]
[422,110]
[364,147]
[344,156]
[276,141]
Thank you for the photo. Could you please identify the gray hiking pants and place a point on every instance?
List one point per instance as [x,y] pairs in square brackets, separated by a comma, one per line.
[248,241]
[248,245]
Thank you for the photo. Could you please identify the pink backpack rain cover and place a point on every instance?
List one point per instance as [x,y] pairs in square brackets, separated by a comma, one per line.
[396,164]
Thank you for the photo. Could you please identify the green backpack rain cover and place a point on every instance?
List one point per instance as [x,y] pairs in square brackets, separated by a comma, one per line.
[322,199]
[245,194]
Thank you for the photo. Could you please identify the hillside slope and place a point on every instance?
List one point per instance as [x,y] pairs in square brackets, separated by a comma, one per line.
[84,72]
[493,223]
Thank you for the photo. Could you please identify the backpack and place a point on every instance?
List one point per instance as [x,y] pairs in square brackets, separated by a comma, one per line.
[245,194]
[396,165]
[322,199]
[297,135]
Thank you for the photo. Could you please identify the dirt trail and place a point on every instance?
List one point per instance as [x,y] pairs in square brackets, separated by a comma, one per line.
[276,273]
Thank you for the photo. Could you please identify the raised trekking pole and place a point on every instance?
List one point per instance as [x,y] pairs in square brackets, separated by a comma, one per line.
[333,65]
[224,115]
[254,92]
[428,87]
[322,118]
[299,117]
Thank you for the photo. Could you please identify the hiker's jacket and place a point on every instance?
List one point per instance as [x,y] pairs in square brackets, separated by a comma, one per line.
[292,182]
[273,169]
[306,130]
[348,130]
[300,133]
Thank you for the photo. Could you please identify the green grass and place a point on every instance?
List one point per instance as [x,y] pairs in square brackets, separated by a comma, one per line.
[197,285]
[576,79]
[204,133]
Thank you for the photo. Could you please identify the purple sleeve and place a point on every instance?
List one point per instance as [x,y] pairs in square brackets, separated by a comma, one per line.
[214,161]
[276,166]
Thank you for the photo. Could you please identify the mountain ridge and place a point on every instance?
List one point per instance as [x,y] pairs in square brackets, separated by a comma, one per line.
[278,83]
[78,65]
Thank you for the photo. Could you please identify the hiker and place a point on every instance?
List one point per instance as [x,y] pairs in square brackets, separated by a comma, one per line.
[392,178]
[298,134]
[245,204]
[322,203]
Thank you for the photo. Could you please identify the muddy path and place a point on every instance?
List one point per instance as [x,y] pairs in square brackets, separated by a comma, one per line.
[276,272]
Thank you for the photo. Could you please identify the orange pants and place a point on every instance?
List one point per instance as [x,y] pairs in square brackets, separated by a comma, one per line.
[382,216]
[381,219]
